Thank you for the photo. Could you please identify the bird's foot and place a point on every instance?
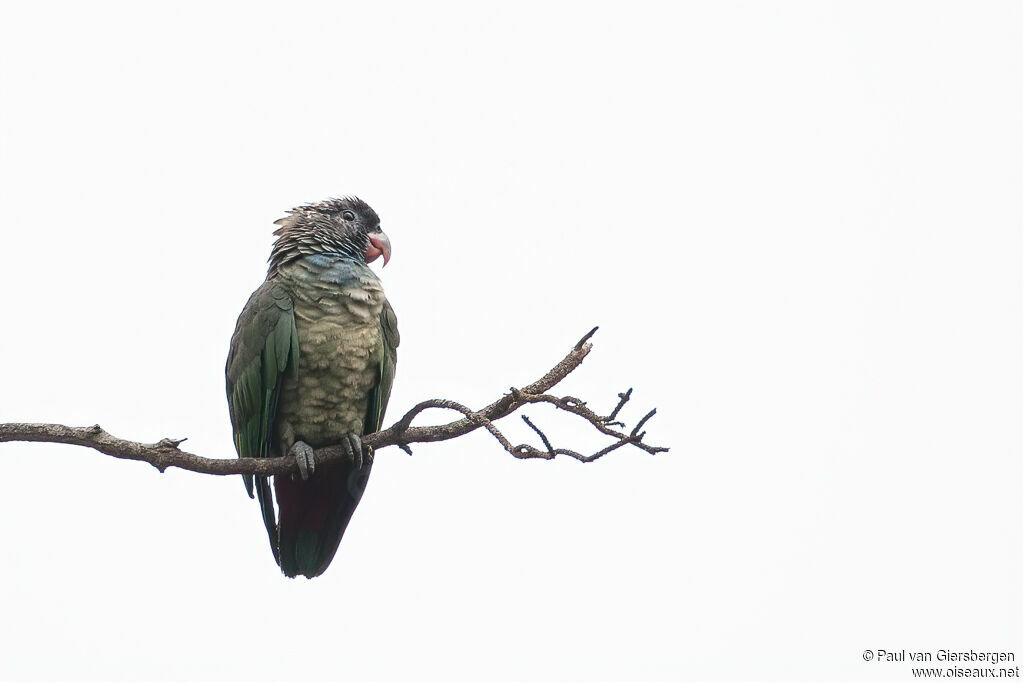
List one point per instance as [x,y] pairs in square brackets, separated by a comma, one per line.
[303,454]
[362,460]
[353,446]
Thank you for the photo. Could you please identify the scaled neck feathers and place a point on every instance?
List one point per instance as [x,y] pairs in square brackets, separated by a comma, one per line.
[304,233]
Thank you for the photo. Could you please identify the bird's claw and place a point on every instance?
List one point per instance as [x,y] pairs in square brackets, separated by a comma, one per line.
[354,447]
[303,454]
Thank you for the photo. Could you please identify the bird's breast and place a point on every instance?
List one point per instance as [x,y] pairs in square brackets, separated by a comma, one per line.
[337,318]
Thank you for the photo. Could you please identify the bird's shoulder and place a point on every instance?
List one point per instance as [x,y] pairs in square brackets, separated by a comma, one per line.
[260,317]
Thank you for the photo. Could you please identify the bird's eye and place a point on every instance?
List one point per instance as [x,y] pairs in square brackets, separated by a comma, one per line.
[348,215]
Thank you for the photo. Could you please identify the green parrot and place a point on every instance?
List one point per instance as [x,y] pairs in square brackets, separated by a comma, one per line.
[311,364]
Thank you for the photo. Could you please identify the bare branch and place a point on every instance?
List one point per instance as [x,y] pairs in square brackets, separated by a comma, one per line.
[167,452]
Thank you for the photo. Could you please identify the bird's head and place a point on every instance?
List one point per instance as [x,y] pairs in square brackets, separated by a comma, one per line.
[346,226]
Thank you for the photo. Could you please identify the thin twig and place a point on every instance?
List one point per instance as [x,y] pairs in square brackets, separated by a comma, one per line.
[542,435]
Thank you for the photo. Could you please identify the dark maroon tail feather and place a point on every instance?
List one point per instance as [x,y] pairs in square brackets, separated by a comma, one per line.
[313,515]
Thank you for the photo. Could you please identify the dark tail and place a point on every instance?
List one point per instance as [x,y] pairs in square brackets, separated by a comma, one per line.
[313,514]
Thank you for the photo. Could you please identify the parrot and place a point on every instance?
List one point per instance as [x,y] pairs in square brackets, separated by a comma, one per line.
[311,364]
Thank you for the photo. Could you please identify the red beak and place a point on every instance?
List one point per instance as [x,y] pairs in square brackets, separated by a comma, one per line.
[379,245]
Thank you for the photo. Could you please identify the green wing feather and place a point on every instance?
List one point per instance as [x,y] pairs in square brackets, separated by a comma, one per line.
[381,392]
[264,347]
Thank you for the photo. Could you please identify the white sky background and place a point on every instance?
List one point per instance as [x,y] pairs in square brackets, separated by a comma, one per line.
[796,223]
